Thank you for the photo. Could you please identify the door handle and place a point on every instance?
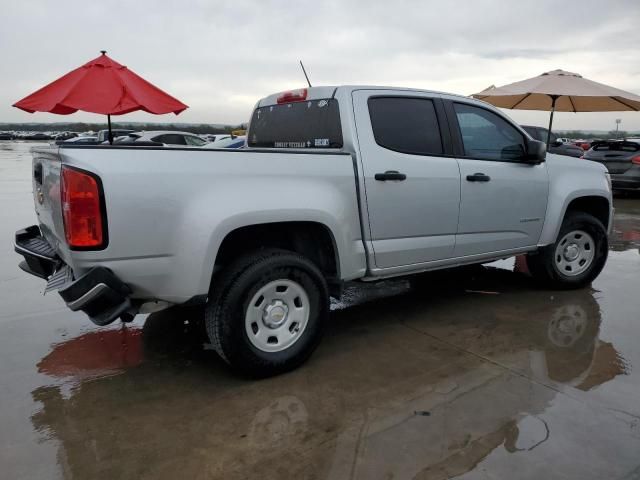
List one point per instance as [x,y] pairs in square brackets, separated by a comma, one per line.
[390,175]
[478,177]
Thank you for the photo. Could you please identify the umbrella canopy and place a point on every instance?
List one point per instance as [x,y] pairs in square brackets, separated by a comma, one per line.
[560,91]
[101,86]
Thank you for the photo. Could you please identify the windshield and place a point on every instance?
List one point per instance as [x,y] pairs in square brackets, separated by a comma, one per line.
[194,141]
[310,124]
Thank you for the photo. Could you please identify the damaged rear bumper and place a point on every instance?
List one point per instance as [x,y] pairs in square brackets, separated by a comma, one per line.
[99,292]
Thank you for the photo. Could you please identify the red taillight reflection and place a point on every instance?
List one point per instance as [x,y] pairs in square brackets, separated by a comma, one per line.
[81,209]
[636,160]
[293,96]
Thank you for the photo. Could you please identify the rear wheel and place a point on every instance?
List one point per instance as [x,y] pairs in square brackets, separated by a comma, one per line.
[267,312]
[576,258]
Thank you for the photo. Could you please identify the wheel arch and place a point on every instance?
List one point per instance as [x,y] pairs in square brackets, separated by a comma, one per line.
[592,202]
[314,240]
[595,205]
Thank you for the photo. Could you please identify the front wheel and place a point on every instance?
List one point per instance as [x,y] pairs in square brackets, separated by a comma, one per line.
[576,258]
[267,312]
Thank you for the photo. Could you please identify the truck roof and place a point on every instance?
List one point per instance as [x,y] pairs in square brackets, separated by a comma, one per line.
[329,91]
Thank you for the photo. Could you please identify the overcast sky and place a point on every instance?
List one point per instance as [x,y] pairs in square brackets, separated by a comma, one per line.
[219,57]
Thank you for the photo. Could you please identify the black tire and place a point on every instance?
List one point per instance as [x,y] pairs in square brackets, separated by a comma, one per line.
[231,293]
[542,264]
[193,315]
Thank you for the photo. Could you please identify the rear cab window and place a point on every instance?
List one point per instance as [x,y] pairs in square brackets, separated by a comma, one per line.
[302,124]
[406,125]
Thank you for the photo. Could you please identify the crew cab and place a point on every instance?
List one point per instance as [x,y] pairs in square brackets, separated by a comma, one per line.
[337,184]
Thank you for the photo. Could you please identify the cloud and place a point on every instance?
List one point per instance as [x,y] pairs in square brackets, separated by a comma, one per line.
[220,57]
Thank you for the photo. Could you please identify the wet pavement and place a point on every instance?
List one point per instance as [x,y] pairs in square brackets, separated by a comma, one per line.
[471,375]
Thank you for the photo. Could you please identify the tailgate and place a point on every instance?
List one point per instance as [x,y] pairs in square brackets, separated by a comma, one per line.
[615,155]
[615,163]
[46,192]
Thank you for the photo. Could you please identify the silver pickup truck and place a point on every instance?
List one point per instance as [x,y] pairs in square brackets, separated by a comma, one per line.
[336,184]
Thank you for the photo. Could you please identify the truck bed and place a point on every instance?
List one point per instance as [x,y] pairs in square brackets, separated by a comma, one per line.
[168,209]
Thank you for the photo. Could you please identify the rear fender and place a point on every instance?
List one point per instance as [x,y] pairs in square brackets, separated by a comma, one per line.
[210,220]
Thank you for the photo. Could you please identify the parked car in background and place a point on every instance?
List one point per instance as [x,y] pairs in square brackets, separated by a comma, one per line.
[81,140]
[585,144]
[6,136]
[216,137]
[622,159]
[61,137]
[229,142]
[38,136]
[103,135]
[557,146]
[164,137]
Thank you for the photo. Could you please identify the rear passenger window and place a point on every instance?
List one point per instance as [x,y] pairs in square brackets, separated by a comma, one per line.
[407,125]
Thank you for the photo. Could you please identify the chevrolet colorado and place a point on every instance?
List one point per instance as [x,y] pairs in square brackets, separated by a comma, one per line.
[337,184]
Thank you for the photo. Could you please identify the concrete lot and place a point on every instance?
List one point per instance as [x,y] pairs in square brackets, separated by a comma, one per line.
[474,376]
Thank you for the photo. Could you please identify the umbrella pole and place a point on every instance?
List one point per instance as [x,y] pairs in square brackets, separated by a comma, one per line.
[553,108]
[111,134]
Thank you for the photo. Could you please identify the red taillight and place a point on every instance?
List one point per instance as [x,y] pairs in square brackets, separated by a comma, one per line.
[82,209]
[293,96]
[636,160]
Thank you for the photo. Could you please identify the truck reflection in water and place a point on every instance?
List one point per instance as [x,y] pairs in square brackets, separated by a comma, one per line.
[626,226]
[425,383]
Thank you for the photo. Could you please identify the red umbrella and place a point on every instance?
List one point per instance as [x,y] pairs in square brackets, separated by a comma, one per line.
[101,86]
[95,353]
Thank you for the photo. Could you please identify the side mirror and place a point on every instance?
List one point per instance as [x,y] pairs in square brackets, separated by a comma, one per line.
[536,152]
[558,143]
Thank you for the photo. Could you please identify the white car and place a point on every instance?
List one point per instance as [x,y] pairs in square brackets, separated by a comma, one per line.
[216,137]
[83,140]
[168,138]
[229,142]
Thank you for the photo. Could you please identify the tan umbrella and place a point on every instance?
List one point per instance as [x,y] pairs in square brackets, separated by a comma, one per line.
[560,91]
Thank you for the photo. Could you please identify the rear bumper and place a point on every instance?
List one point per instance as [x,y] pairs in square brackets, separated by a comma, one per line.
[98,293]
[39,258]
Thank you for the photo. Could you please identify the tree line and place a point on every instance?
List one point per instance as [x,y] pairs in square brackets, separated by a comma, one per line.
[590,135]
[201,128]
